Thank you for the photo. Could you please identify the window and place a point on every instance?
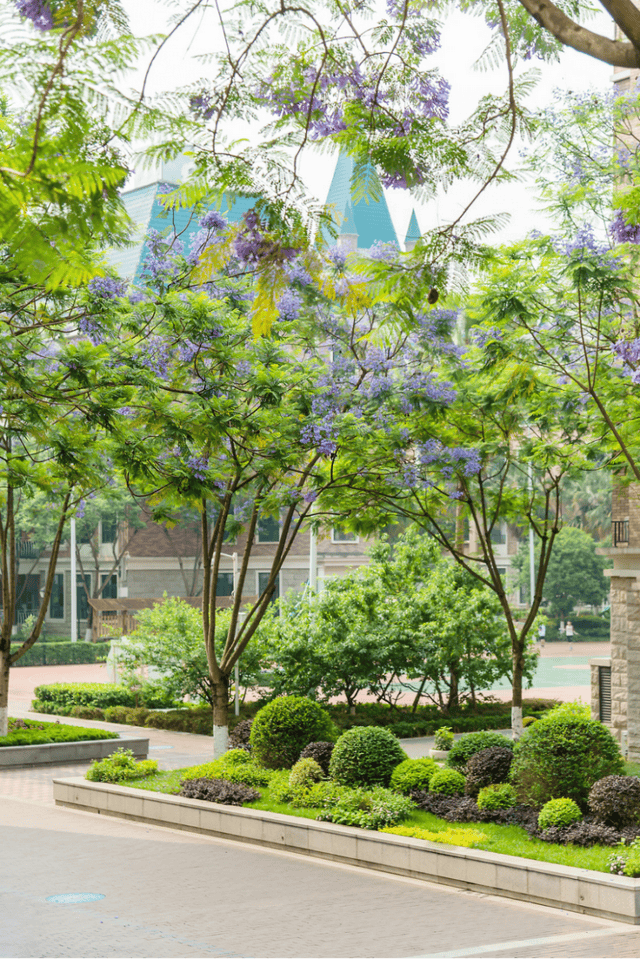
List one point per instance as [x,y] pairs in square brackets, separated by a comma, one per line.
[82,594]
[263,580]
[110,590]
[502,572]
[56,603]
[109,530]
[268,530]
[499,534]
[224,585]
[339,535]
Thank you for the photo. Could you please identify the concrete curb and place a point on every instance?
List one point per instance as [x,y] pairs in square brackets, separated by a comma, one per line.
[70,752]
[563,887]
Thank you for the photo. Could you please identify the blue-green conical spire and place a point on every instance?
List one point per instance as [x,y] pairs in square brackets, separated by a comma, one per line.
[367,217]
[413,232]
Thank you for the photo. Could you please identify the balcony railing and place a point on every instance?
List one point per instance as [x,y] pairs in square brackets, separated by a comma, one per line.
[621,532]
[27,550]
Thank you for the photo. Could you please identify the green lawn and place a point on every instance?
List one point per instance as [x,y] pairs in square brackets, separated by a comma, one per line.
[508,840]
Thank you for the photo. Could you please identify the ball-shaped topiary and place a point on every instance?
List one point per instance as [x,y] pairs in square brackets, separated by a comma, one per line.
[413,774]
[447,782]
[497,796]
[283,727]
[489,766]
[562,757]
[365,756]
[559,812]
[305,773]
[615,800]
[471,743]
[321,752]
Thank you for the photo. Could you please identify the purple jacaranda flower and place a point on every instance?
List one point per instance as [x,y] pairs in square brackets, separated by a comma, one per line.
[198,466]
[289,305]
[38,11]
[107,287]
[623,232]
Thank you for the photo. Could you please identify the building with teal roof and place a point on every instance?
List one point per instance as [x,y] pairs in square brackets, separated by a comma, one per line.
[360,223]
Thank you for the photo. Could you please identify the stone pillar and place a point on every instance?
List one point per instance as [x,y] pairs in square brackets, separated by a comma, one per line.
[620,586]
[633,669]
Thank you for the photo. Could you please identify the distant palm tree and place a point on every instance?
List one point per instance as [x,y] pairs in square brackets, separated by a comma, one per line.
[586,503]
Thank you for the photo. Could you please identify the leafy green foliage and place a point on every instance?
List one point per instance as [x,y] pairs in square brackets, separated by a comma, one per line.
[447,782]
[305,772]
[367,808]
[120,766]
[559,812]
[62,654]
[444,738]
[283,727]
[235,766]
[365,756]
[497,796]
[413,774]
[562,757]
[471,743]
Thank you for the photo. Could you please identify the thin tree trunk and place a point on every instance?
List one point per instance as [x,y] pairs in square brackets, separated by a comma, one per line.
[516,702]
[220,716]
[4,687]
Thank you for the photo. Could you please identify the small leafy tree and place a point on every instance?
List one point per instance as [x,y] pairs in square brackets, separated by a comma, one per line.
[575,573]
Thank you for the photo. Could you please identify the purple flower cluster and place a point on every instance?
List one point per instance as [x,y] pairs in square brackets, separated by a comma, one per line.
[163,261]
[201,104]
[289,305]
[385,252]
[92,329]
[296,272]
[629,351]
[38,11]
[623,232]
[584,243]
[449,459]
[337,256]
[106,287]
[155,354]
[482,335]
[198,466]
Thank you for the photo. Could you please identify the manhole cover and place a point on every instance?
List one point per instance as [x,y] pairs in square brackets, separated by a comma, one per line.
[76,897]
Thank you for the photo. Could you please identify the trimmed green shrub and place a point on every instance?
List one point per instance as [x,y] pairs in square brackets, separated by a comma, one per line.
[120,766]
[112,714]
[444,738]
[365,756]
[528,720]
[321,752]
[87,712]
[489,766]
[471,743]
[497,796]
[447,782]
[219,790]
[232,768]
[29,732]
[305,773]
[63,696]
[562,757]
[615,800]
[195,719]
[559,812]
[285,726]
[413,774]
[367,808]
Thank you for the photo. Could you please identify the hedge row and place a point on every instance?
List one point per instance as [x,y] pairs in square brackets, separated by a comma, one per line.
[60,698]
[62,654]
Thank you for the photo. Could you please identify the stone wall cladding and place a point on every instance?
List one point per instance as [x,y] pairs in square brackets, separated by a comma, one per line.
[619,644]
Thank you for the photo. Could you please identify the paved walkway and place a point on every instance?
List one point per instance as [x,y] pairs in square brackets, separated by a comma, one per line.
[172,894]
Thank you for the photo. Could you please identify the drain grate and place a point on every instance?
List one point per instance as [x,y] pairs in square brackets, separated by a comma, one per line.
[76,897]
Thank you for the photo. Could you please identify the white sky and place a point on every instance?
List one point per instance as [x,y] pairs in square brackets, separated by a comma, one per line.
[463,40]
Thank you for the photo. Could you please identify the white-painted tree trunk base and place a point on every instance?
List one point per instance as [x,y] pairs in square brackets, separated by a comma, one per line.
[220,741]
[517,728]
[4,720]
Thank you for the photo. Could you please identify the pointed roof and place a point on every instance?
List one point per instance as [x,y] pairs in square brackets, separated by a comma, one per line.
[370,218]
[413,230]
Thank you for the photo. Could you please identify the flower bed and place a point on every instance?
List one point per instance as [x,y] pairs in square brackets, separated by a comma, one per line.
[30,732]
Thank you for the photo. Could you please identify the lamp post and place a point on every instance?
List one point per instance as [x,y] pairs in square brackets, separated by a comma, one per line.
[236,670]
[74,588]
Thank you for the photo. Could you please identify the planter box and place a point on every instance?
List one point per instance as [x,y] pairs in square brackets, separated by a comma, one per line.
[440,755]
[563,887]
[79,752]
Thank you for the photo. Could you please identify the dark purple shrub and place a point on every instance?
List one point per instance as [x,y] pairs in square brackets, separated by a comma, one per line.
[487,767]
[615,800]
[321,752]
[239,737]
[219,790]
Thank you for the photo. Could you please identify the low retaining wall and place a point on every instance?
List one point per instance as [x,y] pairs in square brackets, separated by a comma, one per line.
[564,887]
[78,752]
